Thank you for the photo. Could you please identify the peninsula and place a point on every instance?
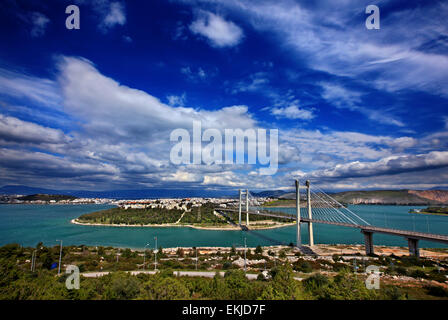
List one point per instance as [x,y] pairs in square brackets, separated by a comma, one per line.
[175,213]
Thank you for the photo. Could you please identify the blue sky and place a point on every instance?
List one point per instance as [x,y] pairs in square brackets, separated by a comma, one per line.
[93,108]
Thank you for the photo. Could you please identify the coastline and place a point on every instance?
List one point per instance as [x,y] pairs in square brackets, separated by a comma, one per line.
[169,225]
[431,213]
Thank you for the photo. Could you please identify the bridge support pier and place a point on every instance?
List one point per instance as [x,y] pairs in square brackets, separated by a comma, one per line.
[368,242]
[413,247]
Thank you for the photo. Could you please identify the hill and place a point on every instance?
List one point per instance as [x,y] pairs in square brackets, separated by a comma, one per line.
[394,197]
[46,197]
[123,194]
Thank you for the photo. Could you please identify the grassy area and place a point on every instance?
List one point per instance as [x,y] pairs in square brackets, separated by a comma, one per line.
[201,216]
[132,216]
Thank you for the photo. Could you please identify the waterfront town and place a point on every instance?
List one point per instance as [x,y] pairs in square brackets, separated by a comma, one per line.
[168,203]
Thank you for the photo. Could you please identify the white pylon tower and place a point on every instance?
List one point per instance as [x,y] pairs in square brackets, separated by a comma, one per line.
[298,238]
[246,193]
[247,207]
[239,209]
[310,215]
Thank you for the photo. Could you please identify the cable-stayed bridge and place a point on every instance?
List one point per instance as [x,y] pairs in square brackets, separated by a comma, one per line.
[313,205]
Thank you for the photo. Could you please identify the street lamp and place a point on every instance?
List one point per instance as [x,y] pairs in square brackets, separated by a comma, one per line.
[144,256]
[116,263]
[196,258]
[155,254]
[33,260]
[60,258]
[245,249]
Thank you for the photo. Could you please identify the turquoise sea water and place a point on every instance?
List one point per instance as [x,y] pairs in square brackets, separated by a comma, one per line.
[30,224]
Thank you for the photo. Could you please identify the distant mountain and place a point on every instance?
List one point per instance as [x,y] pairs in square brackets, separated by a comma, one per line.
[269,193]
[46,197]
[439,188]
[396,197]
[411,197]
[122,194]
[13,189]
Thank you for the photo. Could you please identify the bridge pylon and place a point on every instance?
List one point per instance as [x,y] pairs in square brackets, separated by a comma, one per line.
[239,208]
[241,193]
[310,215]
[298,238]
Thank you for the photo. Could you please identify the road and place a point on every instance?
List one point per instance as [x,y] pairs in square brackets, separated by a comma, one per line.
[205,274]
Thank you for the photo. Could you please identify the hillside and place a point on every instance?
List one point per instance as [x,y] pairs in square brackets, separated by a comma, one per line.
[395,197]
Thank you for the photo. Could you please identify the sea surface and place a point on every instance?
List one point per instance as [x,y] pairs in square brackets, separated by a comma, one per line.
[31,224]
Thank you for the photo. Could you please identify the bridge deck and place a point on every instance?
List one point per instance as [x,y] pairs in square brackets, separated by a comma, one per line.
[366,228]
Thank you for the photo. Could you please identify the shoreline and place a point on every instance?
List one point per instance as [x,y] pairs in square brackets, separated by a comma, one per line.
[166,225]
[432,213]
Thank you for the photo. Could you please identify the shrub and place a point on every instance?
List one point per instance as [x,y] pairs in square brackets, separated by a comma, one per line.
[418,274]
[437,291]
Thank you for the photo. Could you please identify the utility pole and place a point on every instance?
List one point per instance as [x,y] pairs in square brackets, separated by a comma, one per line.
[247,207]
[298,238]
[60,258]
[144,256]
[155,254]
[239,210]
[245,249]
[33,260]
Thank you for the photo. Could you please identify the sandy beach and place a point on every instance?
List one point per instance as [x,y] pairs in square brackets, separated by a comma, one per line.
[168,225]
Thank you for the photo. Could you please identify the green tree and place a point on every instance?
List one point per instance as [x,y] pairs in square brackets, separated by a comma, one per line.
[165,288]
[282,286]
[122,286]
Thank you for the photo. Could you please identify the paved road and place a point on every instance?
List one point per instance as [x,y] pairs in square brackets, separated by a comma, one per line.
[205,274]
[103,273]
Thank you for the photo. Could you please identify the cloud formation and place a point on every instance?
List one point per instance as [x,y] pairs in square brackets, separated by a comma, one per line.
[218,31]
[39,24]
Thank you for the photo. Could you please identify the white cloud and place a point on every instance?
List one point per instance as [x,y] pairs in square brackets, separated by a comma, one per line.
[177,100]
[217,30]
[111,14]
[344,98]
[292,112]
[39,24]
[389,165]
[13,129]
[15,84]
[196,75]
[254,82]
[115,16]
[122,138]
[332,42]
